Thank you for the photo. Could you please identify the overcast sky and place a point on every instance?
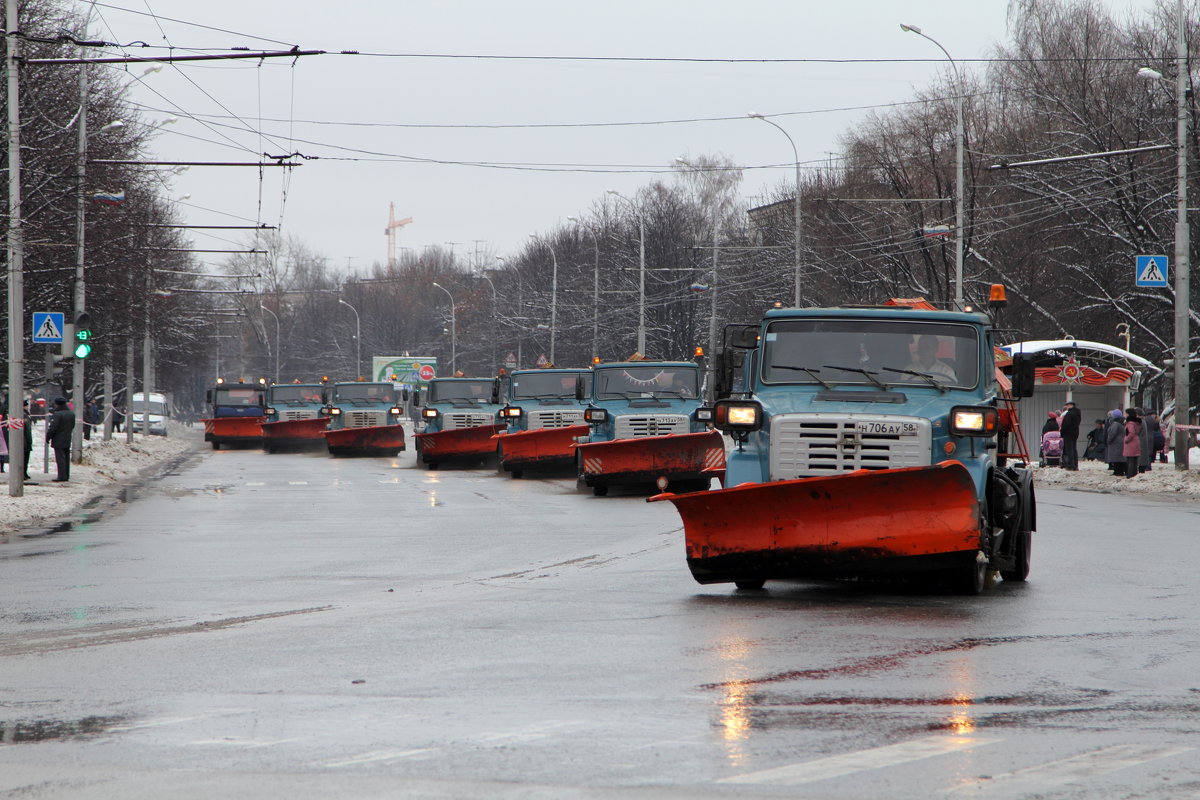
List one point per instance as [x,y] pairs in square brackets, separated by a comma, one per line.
[350,110]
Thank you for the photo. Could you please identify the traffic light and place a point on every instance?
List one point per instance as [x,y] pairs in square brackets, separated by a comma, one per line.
[83,335]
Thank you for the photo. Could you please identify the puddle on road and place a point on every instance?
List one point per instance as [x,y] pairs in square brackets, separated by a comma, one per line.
[56,730]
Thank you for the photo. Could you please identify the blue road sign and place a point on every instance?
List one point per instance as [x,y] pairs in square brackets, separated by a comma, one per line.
[48,327]
[1150,271]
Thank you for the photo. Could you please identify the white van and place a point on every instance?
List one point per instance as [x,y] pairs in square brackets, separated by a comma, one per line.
[158,412]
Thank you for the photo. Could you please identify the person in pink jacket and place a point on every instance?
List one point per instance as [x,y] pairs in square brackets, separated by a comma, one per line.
[1132,448]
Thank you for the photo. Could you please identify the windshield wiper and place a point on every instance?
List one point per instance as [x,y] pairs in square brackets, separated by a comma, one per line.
[868,375]
[933,382]
[812,373]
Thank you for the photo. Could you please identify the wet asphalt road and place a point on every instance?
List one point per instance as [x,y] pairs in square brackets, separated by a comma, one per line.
[300,626]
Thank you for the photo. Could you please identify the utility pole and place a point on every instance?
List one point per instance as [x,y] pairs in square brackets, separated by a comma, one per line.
[16,260]
[80,296]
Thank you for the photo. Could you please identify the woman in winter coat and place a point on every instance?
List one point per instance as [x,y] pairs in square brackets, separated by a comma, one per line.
[1132,443]
[1114,442]
[1147,443]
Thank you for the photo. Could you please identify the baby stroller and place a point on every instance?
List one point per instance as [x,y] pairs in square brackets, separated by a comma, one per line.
[1052,449]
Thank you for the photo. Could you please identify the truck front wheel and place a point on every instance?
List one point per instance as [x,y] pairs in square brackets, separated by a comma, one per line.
[1021,552]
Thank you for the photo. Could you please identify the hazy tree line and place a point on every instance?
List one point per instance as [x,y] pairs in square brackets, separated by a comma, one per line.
[1061,237]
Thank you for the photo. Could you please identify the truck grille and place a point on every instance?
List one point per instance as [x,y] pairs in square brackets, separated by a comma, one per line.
[290,415]
[631,427]
[804,445]
[555,419]
[363,419]
[462,419]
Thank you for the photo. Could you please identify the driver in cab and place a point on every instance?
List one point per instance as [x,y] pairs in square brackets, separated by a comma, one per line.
[927,362]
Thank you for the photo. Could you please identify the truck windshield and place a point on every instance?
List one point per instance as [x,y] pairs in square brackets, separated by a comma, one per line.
[846,351]
[531,385]
[364,392]
[296,393]
[443,391]
[648,381]
[238,396]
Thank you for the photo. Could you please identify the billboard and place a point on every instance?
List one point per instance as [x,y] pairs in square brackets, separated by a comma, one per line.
[413,371]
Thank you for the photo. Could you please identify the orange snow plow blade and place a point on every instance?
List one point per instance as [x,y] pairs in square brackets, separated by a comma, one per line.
[294,432]
[680,458]
[541,448]
[864,523]
[372,440]
[232,430]
[459,444]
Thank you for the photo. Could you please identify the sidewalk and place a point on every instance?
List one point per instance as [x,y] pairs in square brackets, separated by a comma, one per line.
[1093,476]
[106,466]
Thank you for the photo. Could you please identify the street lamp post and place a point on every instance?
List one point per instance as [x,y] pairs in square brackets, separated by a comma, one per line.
[278,343]
[553,296]
[495,320]
[595,289]
[453,329]
[1183,263]
[796,234]
[960,175]
[357,338]
[641,331]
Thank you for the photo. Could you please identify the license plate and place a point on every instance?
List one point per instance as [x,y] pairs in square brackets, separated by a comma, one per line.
[887,428]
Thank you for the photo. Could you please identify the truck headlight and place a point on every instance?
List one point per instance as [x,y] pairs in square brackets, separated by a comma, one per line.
[395,412]
[334,411]
[271,412]
[974,421]
[737,415]
[595,416]
[704,415]
[429,413]
[510,412]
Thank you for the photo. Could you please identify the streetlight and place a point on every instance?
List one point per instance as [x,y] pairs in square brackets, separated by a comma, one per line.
[1183,264]
[495,319]
[357,338]
[712,288]
[553,296]
[960,179]
[595,288]
[796,202]
[278,343]
[641,330]
[453,328]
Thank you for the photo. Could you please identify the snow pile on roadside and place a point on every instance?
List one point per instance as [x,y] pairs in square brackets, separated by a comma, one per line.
[1095,477]
[105,466]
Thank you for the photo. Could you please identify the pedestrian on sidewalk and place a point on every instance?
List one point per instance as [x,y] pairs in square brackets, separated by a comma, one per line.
[1068,426]
[58,433]
[1132,443]
[1114,436]
[28,437]
[1147,443]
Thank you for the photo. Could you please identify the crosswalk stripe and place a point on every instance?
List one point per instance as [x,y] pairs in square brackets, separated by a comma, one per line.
[374,756]
[1078,767]
[860,761]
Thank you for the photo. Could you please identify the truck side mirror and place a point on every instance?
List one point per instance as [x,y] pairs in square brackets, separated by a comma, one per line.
[404,395]
[416,398]
[208,396]
[495,390]
[579,388]
[1022,375]
[744,337]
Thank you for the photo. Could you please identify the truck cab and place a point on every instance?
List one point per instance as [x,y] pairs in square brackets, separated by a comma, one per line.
[449,404]
[545,398]
[235,413]
[288,402]
[364,417]
[648,426]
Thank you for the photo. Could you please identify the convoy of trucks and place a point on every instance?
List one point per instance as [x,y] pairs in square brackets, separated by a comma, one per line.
[849,442]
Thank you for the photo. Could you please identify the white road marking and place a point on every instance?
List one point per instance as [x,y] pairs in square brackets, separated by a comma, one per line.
[256,483]
[376,755]
[248,744]
[1077,768]
[158,723]
[861,761]
[297,483]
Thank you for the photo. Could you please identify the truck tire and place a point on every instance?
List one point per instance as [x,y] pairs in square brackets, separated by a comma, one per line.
[970,579]
[750,585]
[600,491]
[516,473]
[1021,552]
[216,445]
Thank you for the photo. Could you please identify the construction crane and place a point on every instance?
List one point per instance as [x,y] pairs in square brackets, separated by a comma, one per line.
[390,232]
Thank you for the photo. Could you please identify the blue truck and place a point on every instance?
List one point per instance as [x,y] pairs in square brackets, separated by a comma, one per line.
[235,412]
[364,418]
[293,416]
[648,425]
[459,416]
[870,441]
[544,419]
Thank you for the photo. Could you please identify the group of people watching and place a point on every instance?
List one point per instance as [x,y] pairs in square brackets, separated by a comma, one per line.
[1128,441]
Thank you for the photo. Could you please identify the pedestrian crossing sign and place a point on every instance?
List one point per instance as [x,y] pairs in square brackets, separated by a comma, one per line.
[1150,271]
[48,327]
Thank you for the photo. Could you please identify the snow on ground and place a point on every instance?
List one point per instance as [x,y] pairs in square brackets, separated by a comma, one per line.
[1093,476]
[106,467]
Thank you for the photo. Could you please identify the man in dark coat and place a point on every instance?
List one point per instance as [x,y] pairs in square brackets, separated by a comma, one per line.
[58,434]
[1068,426]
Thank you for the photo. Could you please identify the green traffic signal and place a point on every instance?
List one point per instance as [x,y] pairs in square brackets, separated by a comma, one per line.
[83,333]
[83,350]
